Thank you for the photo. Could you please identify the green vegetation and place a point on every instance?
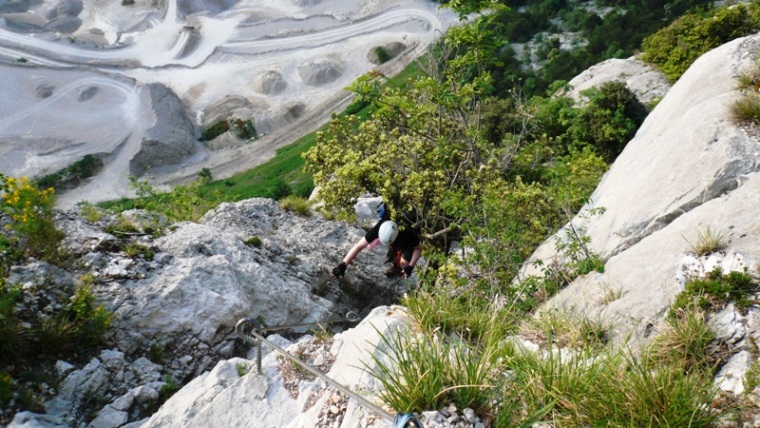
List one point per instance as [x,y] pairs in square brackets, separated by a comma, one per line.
[29,337]
[746,108]
[382,55]
[242,369]
[708,241]
[253,241]
[242,128]
[72,175]
[686,343]
[298,205]
[569,37]
[715,290]
[674,48]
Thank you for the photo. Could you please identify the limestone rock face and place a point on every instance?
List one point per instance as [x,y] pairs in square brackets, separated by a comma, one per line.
[642,79]
[235,394]
[689,168]
[174,312]
[171,139]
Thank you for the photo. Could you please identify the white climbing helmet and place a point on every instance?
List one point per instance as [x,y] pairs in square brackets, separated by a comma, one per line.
[388,232]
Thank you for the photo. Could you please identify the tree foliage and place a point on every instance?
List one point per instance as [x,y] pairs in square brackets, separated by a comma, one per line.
[423,146]
[674,48]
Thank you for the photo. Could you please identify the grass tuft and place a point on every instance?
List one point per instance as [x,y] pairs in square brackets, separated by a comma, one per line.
[298,205]
[708,241]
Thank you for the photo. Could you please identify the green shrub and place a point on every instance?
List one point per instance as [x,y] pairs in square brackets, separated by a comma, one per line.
[609,120]
[215,130]
[243,129]
[382,55]
[714,291]
[297,205]
[72,175]
[30,210]
[674,48]
[205,176]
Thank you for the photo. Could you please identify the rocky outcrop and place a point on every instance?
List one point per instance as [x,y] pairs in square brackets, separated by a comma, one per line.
[647,83]
[321,71]
[689,168]
[234,393]
[174,311]
[171,139]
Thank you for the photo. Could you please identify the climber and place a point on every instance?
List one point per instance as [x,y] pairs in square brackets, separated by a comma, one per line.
[404,252]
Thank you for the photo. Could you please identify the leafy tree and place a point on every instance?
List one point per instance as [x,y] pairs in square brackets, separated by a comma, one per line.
[609,120]
[423,146]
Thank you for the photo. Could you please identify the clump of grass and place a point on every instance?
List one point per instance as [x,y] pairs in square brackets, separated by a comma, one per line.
[253,241]
[752,378]
[296,204]
[566,330]
[686,343]
[242,369]
[466,315]
[90,212]
[416,371]
[610,295]
[746,108]
[134,250]
[708,241]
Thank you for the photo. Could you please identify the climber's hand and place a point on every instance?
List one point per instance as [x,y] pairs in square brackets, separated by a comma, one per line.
[339,271]
[408,271]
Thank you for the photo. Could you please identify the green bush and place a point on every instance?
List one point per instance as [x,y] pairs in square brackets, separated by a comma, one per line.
[609,120]
[205,176]
[714,291]
[674,48]
[243,129]
[215,130]
[73,174]
[253,241]
[382,55]
[32,230]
